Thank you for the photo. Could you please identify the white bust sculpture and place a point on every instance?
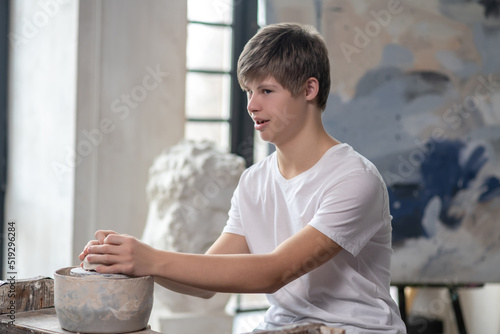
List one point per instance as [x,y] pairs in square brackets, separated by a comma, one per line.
[189,192]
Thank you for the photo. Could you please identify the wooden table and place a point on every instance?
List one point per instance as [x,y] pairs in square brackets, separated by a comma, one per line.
[43,321]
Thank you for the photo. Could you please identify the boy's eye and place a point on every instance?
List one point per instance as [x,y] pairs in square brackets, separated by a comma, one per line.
[266,91]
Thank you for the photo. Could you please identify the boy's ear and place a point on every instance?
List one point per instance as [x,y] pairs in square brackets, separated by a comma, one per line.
[312,88]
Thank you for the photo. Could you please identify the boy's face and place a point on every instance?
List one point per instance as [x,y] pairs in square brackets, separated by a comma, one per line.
[278,116]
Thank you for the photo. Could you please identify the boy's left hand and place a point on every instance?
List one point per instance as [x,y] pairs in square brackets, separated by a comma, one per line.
[120,254]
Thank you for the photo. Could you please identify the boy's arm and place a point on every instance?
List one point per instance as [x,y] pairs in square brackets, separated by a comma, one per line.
[227,243]
[183,288]
[261,273]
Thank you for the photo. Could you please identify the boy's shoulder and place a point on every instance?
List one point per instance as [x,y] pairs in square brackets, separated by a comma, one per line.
[347,162]
[345,157]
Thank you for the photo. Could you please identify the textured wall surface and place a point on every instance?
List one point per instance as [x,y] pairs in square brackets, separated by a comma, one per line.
[417,90]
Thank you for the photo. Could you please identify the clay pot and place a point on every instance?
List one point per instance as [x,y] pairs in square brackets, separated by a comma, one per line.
[102,303]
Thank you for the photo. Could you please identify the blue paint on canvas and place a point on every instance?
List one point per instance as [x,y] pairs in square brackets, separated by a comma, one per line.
[442,175]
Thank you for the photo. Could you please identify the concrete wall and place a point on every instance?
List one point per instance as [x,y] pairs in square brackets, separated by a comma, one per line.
[131,97]
[96,92]
[42,104]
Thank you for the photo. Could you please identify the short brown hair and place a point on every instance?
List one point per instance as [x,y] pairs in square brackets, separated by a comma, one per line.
[291,53]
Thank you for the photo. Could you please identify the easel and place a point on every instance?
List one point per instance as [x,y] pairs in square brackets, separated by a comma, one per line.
[454,297]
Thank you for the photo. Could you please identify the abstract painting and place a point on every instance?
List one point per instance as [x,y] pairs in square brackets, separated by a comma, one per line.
[416,89]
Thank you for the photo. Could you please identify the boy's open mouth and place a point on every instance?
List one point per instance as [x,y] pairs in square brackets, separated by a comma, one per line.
[262,121]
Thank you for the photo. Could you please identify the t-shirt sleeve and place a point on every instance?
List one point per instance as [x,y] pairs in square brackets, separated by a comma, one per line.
[353,210]
[234,224]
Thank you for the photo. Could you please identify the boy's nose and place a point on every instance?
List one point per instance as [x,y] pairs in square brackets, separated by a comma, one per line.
[252,105]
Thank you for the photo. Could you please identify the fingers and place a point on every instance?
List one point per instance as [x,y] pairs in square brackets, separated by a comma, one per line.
[96,247]
[111,263]
[116,248]
[105,259]
[114,269]
[102,234]
[118,239]
[105,249]
[85,251]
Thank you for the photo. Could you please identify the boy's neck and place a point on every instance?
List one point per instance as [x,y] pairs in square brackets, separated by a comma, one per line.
[303,152]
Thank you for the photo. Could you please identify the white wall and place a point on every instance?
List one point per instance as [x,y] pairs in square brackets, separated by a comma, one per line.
[131,84]
[96,92]
[42,87]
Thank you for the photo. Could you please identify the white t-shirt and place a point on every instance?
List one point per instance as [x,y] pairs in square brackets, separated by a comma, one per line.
[344,197]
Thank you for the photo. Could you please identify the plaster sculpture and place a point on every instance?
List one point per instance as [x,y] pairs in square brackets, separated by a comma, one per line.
[189,192]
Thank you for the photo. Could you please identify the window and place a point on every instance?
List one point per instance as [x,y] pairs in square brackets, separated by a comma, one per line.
[215,104]
[208,77]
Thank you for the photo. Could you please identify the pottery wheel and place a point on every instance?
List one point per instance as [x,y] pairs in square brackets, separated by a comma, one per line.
[89,302]
[78,271]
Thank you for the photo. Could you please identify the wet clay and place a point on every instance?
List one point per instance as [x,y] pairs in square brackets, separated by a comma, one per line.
[89,266]
[97,303]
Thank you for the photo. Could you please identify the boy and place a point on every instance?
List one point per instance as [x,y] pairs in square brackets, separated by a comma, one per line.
[309,225]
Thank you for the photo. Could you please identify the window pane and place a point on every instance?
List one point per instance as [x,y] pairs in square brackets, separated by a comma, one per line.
[214,11]
[208,47]
[217,132]
[207,95]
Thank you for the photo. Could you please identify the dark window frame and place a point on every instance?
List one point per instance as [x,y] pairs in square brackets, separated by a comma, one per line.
[4,66]
[244,25]
[245,13]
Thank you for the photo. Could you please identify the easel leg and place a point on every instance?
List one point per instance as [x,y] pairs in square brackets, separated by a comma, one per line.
[458,310]
[402,304]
